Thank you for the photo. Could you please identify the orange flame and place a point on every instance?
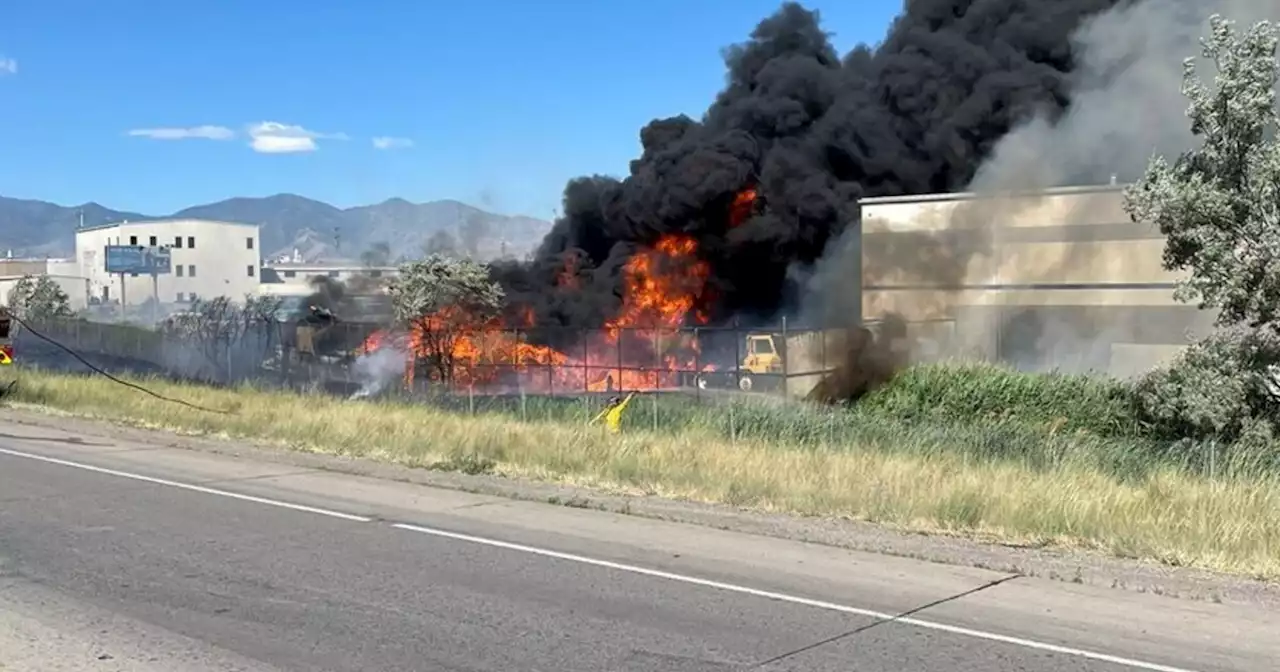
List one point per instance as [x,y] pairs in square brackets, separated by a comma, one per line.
[743,203]
[662,286]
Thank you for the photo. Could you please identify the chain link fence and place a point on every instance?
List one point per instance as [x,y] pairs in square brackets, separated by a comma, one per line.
[727,382]
[342,357]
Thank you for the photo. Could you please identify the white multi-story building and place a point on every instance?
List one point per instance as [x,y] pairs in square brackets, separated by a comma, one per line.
[294,278]
[209,259]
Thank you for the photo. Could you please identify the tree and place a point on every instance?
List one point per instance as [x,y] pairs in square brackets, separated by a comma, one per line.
[39,298]
[228,337]
[1219,205]
[441,299]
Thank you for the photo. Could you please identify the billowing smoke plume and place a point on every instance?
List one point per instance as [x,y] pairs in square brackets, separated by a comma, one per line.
[812,133]
[1126,105]
[1127,101]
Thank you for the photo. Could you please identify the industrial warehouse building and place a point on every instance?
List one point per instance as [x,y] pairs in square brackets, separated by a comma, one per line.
[293,278]
[65,273]
[1058,278]
[209,259]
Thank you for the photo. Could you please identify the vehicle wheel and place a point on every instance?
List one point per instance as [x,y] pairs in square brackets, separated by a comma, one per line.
[745,383]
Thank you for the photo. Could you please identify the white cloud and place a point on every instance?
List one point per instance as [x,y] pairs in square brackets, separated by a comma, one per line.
[273,137]
[189,133]
[387,142]
[8,66]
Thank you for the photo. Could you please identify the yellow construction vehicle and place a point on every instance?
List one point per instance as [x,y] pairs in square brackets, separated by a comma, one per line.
[789,362]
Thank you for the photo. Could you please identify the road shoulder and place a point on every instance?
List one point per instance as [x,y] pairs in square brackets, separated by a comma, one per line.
[1072,567]
[42,629]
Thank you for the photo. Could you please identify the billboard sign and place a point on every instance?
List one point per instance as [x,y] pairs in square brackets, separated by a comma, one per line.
[140,259]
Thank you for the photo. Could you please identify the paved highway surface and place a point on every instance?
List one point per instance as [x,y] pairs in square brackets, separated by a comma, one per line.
[142,557]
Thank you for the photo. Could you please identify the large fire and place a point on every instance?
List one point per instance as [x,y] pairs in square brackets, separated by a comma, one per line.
[641,349]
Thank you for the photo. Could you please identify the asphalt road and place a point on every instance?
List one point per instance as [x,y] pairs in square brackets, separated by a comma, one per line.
[141,557]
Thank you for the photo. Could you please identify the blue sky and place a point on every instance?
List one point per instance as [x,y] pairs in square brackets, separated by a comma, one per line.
[502,101]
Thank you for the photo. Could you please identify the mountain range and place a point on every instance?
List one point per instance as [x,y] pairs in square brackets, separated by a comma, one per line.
[289,223]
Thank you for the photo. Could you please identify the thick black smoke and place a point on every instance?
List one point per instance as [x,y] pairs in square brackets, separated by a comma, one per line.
[814,133]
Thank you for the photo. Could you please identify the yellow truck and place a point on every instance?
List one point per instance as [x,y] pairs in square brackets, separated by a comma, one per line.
[766,361]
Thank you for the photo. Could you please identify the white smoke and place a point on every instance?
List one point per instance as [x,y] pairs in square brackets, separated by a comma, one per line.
[378,369]
[1127,102]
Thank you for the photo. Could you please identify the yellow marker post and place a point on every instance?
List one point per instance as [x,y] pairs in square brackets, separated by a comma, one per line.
[612,415]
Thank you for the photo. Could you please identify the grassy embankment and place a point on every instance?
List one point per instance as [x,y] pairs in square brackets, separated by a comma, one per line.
[969,450]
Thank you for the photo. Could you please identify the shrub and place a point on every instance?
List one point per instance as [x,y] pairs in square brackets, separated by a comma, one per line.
[982,393]
[1215,390]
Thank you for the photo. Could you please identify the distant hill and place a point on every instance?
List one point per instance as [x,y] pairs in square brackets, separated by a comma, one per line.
[316,230]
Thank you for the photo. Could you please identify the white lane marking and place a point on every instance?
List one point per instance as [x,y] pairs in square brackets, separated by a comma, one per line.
[187,486]
[793,599]
[670,576]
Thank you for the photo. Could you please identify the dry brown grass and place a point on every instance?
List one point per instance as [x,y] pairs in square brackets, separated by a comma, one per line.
[1166,515]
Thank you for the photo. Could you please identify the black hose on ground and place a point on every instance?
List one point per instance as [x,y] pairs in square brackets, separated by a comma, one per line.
[106,375]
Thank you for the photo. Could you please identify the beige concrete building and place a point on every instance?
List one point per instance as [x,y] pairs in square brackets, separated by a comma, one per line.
[64,272]
[1060,278]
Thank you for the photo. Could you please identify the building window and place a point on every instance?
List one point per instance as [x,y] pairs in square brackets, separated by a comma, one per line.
[177,242]
[191,242]
[333,274]
[133,275]
[179,293]
[153,241]
[375,274]
[248,243]
[191,270]
[290,274]
[133,240]
[249,268]
[178,270]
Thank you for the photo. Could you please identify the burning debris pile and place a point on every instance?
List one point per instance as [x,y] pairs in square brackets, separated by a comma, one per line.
[724,219]
[643,347]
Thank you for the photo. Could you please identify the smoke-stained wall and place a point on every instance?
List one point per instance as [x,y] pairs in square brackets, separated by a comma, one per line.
[1060,278]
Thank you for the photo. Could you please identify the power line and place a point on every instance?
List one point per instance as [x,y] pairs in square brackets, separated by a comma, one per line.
[112,378]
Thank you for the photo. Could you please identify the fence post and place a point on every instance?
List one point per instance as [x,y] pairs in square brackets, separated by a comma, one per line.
[733,428]
[737,355]
[524,407]
[586,367]
[655,408]
[697,366]
[786,355]
[586,372]
[617,343]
